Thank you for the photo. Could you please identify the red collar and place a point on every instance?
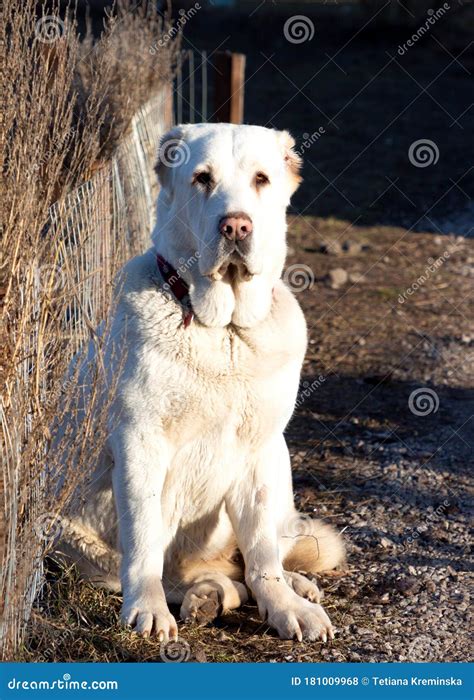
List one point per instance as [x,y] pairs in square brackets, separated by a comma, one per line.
[177,285]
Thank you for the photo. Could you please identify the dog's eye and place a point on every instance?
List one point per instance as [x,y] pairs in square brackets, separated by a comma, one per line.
[261,179]
[202,178]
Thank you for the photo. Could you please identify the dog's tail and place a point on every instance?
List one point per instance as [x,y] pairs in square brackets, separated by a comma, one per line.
[317,547]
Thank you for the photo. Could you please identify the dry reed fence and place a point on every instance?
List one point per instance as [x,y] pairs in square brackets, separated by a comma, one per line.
[73,114]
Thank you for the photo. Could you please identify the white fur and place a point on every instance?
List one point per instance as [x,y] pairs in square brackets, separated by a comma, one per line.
[196,453]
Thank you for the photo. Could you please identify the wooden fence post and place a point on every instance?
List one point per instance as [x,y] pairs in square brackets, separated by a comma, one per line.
[229,87]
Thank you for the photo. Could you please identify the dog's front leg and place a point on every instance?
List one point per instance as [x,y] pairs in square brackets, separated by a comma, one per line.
[256,506]
[138,476]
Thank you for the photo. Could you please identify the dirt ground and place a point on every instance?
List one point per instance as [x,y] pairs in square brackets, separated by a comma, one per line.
[394,482]
[381,441]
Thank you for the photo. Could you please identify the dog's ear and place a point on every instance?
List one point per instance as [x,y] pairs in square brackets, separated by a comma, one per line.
[172,152]
[292,159]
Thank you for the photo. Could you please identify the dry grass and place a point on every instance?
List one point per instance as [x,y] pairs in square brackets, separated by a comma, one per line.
[127,63]
[66,106]
[75,622]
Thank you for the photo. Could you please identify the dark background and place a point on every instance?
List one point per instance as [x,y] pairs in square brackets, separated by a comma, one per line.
[372,103]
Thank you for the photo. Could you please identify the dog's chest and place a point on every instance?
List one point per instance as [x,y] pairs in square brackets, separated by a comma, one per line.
[237,386]
[230,386]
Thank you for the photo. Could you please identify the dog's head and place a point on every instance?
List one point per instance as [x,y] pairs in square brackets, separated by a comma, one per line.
[224,194]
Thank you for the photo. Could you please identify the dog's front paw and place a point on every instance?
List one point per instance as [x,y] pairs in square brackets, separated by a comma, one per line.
[297,617]
[150,618]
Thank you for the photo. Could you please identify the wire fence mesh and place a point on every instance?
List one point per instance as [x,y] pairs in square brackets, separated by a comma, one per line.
[91,233]
[193,91]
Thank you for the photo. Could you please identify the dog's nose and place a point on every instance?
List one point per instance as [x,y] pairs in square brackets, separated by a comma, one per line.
[235,226]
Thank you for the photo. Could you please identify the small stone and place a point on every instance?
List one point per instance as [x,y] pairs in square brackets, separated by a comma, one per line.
[407,586]
[430,586]
[351,247]
[222,637]
[385,542]
[356,278]
[438,240]
[331,248]
[337,278]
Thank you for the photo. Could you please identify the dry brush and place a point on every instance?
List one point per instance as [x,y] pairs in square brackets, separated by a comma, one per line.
[74,206]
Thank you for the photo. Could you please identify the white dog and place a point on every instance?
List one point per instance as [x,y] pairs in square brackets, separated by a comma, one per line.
[193,493]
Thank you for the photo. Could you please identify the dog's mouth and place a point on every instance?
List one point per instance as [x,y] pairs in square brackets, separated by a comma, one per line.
[232,270]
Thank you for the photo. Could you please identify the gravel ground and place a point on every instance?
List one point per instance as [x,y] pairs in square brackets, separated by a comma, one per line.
[387,465]
[389,440]
[393,479]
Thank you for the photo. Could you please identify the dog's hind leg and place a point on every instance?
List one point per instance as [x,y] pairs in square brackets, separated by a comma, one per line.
[88,531]
[95,560]
[210,595]
[302,586]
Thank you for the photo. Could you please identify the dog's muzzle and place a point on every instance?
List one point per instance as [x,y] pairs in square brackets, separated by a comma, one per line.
[234,248]
[236,226]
